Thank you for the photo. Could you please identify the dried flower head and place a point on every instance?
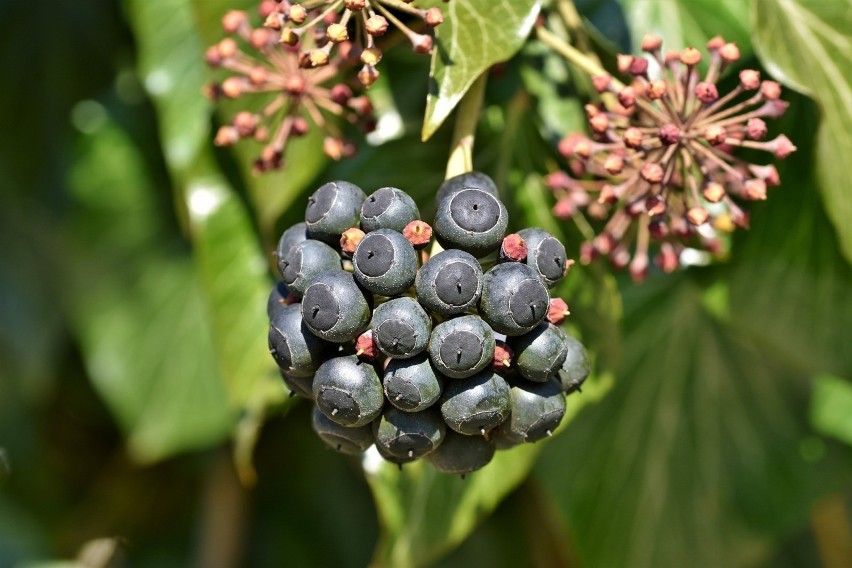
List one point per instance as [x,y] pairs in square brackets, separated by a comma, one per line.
[296,94]
[660,163]
[317,27]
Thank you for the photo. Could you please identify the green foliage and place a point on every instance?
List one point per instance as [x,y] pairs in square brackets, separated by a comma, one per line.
[831,407]
[807,44]
[476,35]
[136,266]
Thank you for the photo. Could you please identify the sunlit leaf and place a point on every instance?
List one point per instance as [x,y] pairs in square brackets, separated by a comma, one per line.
[806,44]
[231,265]
[689,23]
[475,35]
[831,407]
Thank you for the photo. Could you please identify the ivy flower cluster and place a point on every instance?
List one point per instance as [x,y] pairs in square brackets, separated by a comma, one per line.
[321,28]
[660,164]
[297,94]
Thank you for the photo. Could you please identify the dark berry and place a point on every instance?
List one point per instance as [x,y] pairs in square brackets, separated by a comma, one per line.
[461,347]
[388,208]
[537,409]
[469,180]
[477,404]
[344,439]
[471,220]
[405,436]
[461,454]
[449,283]
[385,262]
[348,391]
[304,262]
[292,236]
[539,353]
[514,299]
[546,255]
[333,208]
[401,328]
[298,385]
[278,298]
[576,367]
[412,384]
[335,308]
[296,350]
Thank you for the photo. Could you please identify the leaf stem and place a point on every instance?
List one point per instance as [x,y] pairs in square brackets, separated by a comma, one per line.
[573,55]
[467,117]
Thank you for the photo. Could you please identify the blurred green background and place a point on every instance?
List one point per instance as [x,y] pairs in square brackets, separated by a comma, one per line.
[142,422]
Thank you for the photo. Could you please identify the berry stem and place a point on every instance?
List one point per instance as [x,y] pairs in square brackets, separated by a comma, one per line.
[467,117]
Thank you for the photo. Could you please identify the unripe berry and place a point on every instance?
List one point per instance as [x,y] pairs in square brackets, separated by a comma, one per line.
[405,436]
[577,366]
[461,347]
[476,405]
[335,308]
[514,299]
[401,328]
[345,439]
[449,283]
[472,220]
[546,255]
[388,208]
[412,384]
[461,454]
[385,262]
[304,262]
[537,410]
[539,353]
[348,391]
[296,350]
[333,208]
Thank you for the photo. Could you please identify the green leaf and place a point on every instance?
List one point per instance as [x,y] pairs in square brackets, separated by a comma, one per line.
[137,308]
[689,23]
[831,407]
[688,461]
[475,35]
[230,264]
[806,44]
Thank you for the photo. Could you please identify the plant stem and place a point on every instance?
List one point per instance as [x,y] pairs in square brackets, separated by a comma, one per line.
[467,117]
[573,54]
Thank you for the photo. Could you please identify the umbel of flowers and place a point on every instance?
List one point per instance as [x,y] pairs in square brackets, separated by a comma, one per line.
[297,62]
[660,164]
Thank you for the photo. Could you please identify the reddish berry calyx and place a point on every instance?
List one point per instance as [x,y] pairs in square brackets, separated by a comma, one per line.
[557,311]
[365,346]
[503,356]
[349,240]
[418,233]
[513,248]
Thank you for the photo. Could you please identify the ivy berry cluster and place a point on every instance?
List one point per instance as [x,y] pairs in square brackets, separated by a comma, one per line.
[447,357]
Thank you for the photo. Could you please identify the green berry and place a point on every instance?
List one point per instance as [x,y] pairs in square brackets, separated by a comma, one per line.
[449,283]
[471,220]
[576,367]
[461,347]
[335,308]
[514,300]
[344,439]
[412,384]
[348,391]
[546,255]
[385,262]
[477,404]
[297,351]
[304,262]
[537,409]
[539,353]
[333,208]
[405,436]
[388,208]
[461,454]
[401,328]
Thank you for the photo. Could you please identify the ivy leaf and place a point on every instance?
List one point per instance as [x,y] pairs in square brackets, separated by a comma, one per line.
[806,44]
[690,448]
[136,306]
[230,263]
[475,35]
[689,23]
[831,407]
